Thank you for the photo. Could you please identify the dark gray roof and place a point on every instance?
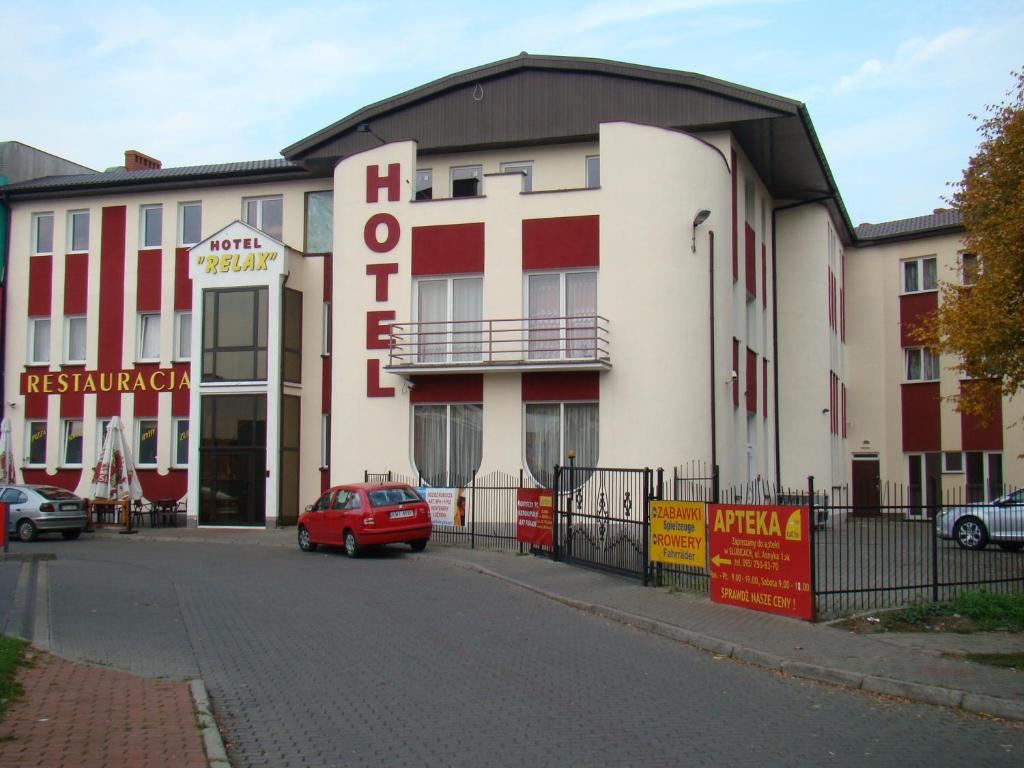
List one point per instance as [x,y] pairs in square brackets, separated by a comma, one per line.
[918,226]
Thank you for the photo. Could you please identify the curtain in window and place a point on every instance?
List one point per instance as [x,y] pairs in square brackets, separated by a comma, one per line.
[913,364]
[432,312]
[467,311]
[467,443]
[543,427]
[150,348]
[581,433]
[429,442]
[544,305]
[581,310]
[909,276]
[40,341]
[76,338]
[929,276]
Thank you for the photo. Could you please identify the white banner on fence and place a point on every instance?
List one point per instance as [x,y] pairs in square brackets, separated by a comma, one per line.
[448,506]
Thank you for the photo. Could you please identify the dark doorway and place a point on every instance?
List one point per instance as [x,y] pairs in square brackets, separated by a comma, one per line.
[233,460]
[288,506]
[865,484]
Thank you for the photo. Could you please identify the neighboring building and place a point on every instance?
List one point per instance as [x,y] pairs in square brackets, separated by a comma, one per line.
[644,266]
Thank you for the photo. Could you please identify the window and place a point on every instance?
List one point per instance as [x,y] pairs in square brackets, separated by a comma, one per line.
[325,329]
[749,212]
[447,443]
[525,168]
[13,496]
[552,430]
[182,335]
[920,275]
[425,184]
[42,233]
[36,443]
[78,231]
[291,336]
[152,226]
[953,462]
[180,453]
[593,171]
[320,222]
[984,475]
[922,364]
[466,181]
[449,312]
[562,311]
[72,443]
[149,336]
[103,425]
[235,334]
[265,213]
[147,442]
[190,223]
[39,340]
[325,440]
[74,339]
[970,268]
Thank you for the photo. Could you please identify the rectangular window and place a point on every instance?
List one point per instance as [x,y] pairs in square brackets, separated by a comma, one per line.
[235,334]
[42,233]
[181,442]
[39,340]
[425,184]
[749,212]
[467,181]
[149,336]
[325,329]
[449,311]
[593,171]
[970,268]
[953,462]
[447,443]
[182,335]
[78,231]
[562,312]
[265,213]
[554,429]
[36,443]
[524,167]
[984,475]
[151,226]
[147,442]
[101,435]
[190,223]
[74,339]
[291,336]
[72,456]
[320,222]
[920,275]
[922,364]
[325,440]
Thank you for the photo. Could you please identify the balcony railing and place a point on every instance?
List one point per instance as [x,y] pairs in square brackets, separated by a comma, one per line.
[579,342]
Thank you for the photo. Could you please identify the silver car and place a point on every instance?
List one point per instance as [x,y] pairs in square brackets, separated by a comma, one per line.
[35,509]
[973,526]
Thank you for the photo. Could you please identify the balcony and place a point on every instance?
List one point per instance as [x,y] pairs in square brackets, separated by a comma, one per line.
[577,343]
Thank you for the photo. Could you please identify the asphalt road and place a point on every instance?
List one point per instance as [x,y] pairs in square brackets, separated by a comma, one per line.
[398,659]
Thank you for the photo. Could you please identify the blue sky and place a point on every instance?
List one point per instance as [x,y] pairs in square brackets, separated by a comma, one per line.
[890,86]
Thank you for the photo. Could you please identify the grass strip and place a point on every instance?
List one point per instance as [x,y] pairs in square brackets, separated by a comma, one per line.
[12,656]
[990,611]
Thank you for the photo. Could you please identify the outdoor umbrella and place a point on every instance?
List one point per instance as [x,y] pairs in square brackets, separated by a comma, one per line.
[8,475]
[115,476]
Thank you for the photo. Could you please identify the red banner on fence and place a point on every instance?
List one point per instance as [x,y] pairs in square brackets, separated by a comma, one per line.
[534,516]
[761,558]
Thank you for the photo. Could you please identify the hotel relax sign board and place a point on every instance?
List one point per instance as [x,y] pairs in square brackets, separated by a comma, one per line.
[86,382]
[238,251]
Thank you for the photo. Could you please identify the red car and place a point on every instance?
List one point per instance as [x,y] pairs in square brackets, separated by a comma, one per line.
[366,514]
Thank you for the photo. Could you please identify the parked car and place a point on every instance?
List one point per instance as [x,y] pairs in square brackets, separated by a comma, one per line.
[973,526]
[366,514]
[35,509]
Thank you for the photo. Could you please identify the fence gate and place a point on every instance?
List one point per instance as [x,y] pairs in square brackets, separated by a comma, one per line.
[601,518]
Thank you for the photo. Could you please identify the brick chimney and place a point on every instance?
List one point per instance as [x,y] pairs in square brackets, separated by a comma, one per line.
[136,161]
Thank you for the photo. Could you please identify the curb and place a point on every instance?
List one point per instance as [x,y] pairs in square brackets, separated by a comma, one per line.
[216,755]
[953,698]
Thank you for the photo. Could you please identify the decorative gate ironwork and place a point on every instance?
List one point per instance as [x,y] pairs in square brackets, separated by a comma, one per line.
[601,518]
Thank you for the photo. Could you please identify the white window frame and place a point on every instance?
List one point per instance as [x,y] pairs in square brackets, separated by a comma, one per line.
[36,218]
[65,432]
[260,202]
[325,447]
[946,456]
[29,429]
[33,326]
[588,172]
[561,431]
[478,175]
[68,357]
[563,351]
[421,175]
[926,359]
[143,321]
[144,229]
[102,425]
[525,167]
[181,222]
[73,216]
[138,440]
[919,263]
[447,439]
[325,329]
[180,337]
[451,343]
[176,438]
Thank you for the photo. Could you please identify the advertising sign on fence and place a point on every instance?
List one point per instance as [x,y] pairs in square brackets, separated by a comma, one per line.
[448,506]
[761,558]
[534,516]
[678,533]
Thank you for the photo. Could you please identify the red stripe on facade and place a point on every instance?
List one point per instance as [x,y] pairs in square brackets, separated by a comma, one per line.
[180,397]
[35,406]
[467,388]
[448,249]
[844,411]
[764,275]
[40,277]
[735,220]
[921,412]
[72,404]
[751,381]
[976,433]
[914,307]
[76,283]
[561,243]
[111,303]
[558,387]
[146,399]
[67,479]
[173,485]
[749,254]
[147,282]
[328,272]
[325,392]
[182,282]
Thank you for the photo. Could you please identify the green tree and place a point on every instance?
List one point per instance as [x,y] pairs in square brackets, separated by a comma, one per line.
[982,324]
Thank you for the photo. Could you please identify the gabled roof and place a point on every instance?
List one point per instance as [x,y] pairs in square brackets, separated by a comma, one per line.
[904,229]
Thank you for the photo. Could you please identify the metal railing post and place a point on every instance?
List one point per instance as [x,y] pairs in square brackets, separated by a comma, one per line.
[472,513]
[556,503]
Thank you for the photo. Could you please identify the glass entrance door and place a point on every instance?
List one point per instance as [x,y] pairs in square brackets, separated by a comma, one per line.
[233,460]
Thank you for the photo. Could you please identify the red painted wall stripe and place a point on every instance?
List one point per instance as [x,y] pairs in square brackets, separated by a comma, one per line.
[764,275]
[921,416]
[558,387]
[328,273]
[111,304]
[561,243]
[72,404]
[448,249]
[749,254]
[325,392]
[40,289]
[913,308]
[146,399]
[751,381]
[979,435]
[76,283]
[182,282]
[180,397]
[468,388]
[147,282]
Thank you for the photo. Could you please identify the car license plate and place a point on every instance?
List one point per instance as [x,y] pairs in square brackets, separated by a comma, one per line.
[400,513]
[72,507]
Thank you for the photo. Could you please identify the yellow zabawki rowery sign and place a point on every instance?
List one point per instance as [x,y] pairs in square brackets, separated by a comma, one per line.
[59,382]
[678,533]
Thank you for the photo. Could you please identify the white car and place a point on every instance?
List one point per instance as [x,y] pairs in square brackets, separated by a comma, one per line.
[35,509]
[973,526]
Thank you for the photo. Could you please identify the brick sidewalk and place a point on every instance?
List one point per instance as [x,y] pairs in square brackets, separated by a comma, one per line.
[80,716]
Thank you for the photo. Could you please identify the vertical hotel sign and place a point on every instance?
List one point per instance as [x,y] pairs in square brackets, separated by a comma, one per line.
[381,234]
[761,558]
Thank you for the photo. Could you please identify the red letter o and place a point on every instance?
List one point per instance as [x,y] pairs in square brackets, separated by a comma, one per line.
[370,232]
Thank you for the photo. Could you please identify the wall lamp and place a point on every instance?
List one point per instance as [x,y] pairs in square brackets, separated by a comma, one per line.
[365,128]
[700,218]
